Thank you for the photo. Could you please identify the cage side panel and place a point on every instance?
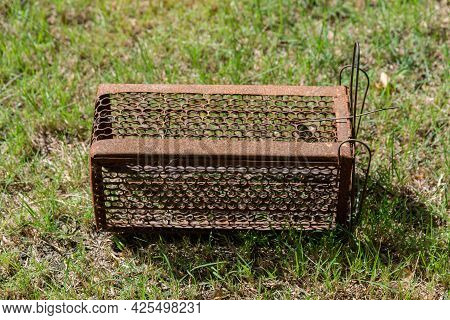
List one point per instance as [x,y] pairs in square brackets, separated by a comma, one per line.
[175,194]
[102,127]
[343,206]
[97,190]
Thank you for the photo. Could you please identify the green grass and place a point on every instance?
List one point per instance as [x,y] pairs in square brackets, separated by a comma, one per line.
[55,53]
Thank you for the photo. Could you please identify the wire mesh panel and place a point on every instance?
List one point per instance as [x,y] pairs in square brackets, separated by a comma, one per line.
[231,157]
[215,116]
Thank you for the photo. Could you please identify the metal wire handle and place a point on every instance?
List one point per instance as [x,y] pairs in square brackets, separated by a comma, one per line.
[354,89]
[362,195]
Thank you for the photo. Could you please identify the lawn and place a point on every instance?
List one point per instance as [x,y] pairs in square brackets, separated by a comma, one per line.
[55,53]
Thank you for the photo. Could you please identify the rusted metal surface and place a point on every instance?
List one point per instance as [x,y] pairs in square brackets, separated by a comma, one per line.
[144,148]
[217,112]
[228,157]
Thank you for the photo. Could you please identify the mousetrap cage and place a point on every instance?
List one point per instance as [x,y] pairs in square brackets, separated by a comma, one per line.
[226,156]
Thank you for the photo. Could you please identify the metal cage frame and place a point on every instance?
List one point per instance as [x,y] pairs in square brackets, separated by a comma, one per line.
[183,156]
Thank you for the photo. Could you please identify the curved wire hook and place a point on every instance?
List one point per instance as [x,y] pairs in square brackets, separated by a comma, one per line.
[354,95]
[362,195]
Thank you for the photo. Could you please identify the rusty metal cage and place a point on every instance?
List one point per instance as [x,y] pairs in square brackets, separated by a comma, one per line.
[225,156]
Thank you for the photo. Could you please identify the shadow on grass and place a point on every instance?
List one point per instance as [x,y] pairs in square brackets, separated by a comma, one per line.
[402,224]
[405,207]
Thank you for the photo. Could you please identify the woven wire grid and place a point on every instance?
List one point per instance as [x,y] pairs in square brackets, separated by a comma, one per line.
[215,116]
[295,196]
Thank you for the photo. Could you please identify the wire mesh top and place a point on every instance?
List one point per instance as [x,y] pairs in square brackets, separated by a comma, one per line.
[281,117]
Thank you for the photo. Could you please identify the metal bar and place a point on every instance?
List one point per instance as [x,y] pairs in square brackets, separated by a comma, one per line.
[327,91]
[361,111]
[148,147]
[356,212]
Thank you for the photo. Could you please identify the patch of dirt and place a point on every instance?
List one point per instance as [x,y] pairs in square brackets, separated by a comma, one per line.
[44,142]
